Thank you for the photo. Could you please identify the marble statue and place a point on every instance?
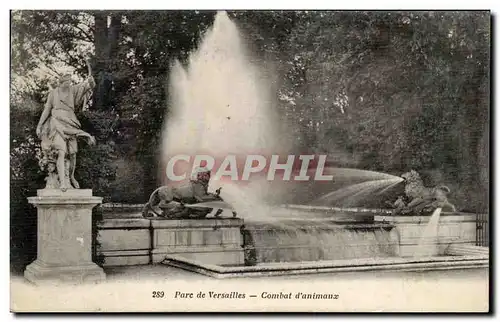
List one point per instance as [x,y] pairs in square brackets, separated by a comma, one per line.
[59,129]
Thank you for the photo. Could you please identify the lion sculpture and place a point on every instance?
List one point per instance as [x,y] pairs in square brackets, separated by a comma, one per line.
[172,200]
[419,198]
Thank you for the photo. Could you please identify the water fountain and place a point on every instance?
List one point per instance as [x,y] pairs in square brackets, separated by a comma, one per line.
[220,102]
[222,105]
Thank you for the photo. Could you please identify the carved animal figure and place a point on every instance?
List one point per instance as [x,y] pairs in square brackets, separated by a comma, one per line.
[172,199]
[424,198]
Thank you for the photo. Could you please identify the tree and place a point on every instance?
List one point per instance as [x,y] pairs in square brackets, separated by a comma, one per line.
[151,40]
[402,89]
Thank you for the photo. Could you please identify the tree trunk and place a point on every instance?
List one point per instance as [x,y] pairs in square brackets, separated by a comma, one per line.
[101,51]
[106,41]
[113,35]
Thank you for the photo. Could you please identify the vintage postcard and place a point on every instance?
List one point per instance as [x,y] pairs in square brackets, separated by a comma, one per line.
[249,161]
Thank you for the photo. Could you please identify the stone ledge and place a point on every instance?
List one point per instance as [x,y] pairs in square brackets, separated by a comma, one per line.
[455,217]
[64,200]
[232,258]
[196,223]
[132,252]
[183,224]
[197,249]
[125,223]
[440,241]
[296,268]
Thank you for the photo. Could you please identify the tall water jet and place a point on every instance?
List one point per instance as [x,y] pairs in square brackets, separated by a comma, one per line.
[220,104]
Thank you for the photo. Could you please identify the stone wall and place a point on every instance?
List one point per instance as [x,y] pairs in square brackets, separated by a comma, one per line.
[137,241]
[125,241]
[453,229]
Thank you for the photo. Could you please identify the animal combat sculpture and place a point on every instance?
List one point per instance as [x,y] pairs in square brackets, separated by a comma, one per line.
[175,202]
[419,198]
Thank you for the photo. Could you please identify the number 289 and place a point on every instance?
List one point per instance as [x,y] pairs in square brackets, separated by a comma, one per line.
[158,294]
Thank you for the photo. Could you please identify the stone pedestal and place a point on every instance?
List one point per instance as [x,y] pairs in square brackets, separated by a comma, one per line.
[64,251]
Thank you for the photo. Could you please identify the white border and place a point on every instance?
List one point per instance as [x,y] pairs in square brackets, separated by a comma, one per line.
[189,4]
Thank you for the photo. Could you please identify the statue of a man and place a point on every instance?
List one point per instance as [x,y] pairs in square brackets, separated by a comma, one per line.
[59,128]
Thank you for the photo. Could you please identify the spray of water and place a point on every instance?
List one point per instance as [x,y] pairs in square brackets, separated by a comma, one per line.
[358,174]
[428,243]
[220,103]
[353,194]
[247,201]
